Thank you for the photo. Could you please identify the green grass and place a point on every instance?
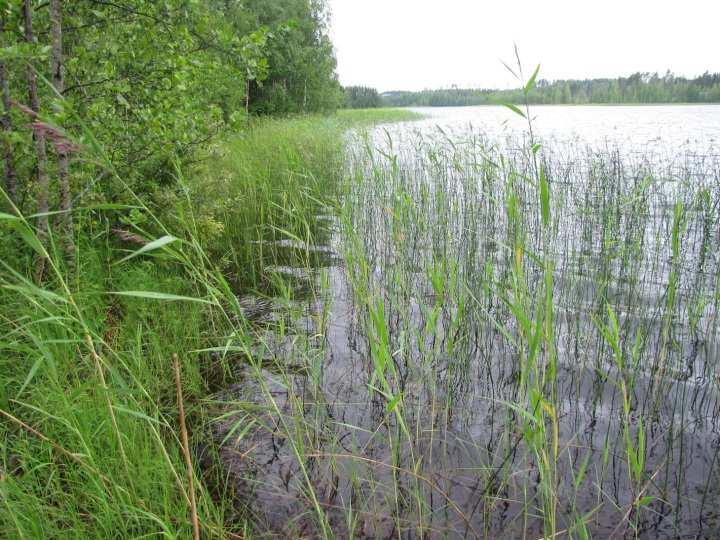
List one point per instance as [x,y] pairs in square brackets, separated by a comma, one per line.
[263,185]
[90,434]
[376,116]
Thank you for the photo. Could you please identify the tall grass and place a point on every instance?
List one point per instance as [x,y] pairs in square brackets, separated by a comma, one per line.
[90,429]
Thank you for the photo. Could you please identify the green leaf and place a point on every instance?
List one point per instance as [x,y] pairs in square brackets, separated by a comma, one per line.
[155,244]
[110,206]
[155,295]
[581,472]
[531,81]
[30,375]
[544,199]
[29,236]
[136,414]
[509,69]
[515,109]
[47,214]
[393,403]
[31,290]
[122,101]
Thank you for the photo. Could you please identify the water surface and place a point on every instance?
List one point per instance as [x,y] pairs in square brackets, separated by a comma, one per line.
[633,128]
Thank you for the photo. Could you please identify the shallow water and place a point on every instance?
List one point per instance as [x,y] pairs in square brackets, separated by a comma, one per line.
[460,466]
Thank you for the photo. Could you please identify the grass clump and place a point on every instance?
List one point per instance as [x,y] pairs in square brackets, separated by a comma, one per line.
[355,117]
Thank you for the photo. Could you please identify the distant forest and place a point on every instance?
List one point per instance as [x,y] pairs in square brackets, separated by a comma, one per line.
[362,97]
[637,88]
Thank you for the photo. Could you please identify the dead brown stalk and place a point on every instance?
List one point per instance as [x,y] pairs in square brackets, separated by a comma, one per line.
[186,449]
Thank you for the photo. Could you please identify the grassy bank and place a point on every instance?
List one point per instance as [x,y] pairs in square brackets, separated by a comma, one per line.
[90,431]
[354,117]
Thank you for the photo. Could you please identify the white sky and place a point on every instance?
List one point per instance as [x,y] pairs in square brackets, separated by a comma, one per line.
[416,44]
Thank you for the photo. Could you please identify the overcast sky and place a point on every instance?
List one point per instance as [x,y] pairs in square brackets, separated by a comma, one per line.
[416,44]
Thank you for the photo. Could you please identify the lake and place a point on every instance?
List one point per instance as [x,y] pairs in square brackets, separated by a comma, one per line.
[653,129]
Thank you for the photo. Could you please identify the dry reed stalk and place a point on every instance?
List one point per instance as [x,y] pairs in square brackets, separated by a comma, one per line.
[186,449]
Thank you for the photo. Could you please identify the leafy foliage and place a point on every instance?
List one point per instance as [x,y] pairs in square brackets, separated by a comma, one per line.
[301,76]
[156,81]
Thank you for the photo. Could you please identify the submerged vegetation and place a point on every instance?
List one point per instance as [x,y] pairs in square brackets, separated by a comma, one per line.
[220,325]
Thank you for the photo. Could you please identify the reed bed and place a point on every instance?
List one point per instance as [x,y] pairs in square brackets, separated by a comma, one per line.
[516,341]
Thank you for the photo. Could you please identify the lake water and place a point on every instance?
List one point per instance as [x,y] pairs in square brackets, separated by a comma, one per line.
[648,129]
[422,261]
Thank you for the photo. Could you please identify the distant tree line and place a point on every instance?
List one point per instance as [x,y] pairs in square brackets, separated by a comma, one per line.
[637,88]
[362,97]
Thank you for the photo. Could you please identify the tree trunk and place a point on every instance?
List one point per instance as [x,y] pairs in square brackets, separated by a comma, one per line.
[305,96]
[10,176]
[6,121]
[58,80]
[43,182]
